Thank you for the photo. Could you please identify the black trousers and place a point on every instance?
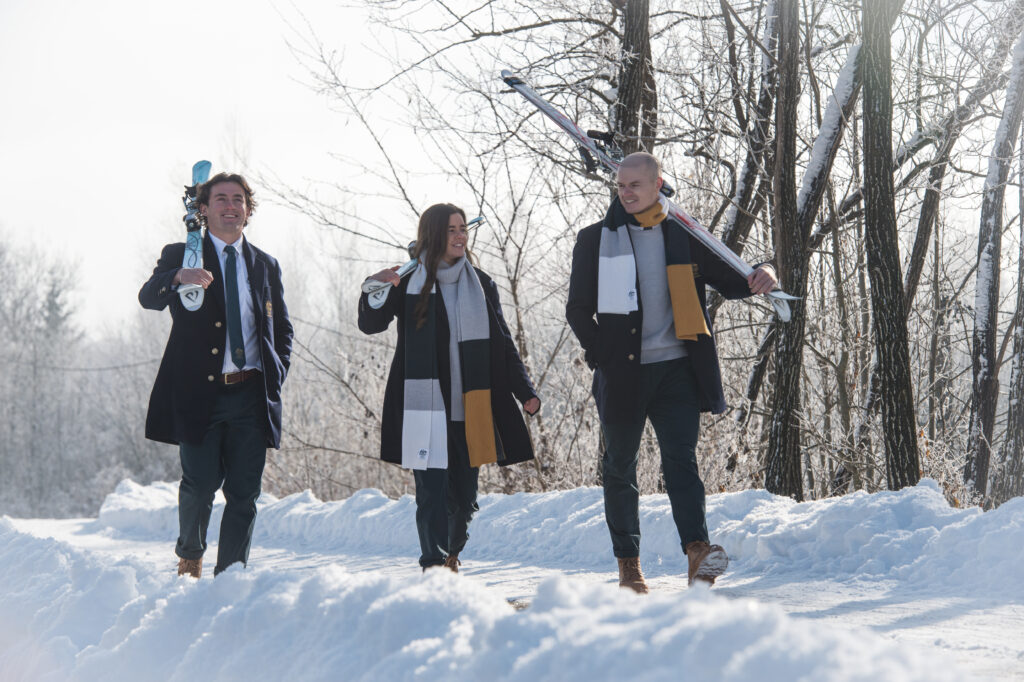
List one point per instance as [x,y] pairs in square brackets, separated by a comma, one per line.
[668,397]
[232,454]
[446,501]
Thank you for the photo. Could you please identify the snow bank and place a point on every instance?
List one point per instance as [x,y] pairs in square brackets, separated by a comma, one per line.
[911,535]
[63,615]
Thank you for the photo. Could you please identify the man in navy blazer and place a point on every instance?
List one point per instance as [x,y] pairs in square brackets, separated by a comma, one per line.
[217,393]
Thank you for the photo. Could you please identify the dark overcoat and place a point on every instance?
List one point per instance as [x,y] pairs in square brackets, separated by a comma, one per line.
[186,383]
[509,380]
[611,342]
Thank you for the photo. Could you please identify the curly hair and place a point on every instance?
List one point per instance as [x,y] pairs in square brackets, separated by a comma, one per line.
[203,197]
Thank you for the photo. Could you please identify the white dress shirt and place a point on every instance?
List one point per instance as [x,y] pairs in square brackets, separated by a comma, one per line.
[245,308]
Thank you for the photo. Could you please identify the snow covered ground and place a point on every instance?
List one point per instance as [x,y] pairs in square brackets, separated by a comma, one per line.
[890,586]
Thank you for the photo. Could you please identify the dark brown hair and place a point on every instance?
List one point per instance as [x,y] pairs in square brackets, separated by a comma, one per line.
[431,244]
[205,189]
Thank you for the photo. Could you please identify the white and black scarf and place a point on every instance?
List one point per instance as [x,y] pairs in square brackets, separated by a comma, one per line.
[617,279]
[424,423]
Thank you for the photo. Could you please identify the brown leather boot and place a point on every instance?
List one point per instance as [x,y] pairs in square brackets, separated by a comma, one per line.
[707,562]
[452,563]
[192,567]
[631,576]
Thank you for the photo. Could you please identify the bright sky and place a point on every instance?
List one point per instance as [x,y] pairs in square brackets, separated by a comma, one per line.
[108,103]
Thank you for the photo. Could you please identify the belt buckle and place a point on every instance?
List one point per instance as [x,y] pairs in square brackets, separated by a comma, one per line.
[234,378]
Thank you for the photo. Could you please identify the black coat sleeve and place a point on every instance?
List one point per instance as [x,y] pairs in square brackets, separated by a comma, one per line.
[581,306]
[158,292]
[717,273]
[518,378]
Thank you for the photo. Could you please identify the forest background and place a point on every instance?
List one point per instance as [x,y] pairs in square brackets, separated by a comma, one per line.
[869,149]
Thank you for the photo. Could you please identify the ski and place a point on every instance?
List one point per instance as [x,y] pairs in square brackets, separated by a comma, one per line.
[192,294]
[377,291]
[599,149]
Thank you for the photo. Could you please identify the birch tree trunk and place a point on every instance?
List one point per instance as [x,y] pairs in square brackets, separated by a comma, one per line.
[888,320]
[1009,480]
[983,350]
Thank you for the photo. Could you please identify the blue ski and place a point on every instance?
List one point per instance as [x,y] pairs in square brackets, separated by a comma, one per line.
[192,294]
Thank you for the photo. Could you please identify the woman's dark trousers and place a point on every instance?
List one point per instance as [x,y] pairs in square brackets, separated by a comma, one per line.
[446,501]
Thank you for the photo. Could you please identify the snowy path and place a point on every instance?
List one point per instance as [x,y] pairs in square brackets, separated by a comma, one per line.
[871,585]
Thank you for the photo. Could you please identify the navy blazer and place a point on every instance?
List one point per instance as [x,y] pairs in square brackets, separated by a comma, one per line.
[509,380]
[186,383]
[611,342]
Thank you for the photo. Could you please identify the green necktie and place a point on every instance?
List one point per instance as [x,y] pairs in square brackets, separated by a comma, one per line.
[234,315]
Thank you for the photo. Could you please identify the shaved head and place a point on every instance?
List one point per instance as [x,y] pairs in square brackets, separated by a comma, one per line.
[645,162]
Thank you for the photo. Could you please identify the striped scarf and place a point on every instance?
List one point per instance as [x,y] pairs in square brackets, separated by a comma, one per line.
[424,424]
[617,281]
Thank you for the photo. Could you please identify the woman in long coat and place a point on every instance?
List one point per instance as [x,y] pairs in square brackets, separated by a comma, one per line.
[450,402]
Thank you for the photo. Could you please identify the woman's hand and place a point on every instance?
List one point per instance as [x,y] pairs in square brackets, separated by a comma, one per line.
[532,406]
[389,276]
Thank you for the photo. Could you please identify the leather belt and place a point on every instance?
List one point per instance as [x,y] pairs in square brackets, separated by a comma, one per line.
[238,377]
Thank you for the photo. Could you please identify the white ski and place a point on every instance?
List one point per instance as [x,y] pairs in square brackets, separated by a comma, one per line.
[610,159]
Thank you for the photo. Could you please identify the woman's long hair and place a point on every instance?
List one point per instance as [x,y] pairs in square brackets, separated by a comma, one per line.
[431,244]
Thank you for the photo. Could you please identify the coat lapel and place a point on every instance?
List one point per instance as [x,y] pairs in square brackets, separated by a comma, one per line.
[257,279]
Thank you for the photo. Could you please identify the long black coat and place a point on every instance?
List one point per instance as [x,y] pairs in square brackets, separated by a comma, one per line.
[509,380]
[185,387]
[611,342]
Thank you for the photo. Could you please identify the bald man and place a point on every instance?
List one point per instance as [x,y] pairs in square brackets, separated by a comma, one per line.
[637,303]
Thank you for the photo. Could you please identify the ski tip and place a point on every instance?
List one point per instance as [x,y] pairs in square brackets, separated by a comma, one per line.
[510,78]
[201,171]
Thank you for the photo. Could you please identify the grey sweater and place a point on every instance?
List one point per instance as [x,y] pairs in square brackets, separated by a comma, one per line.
[659,342]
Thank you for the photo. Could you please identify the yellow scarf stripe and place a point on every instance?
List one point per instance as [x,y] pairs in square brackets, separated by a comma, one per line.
[480,427]
[651,217]
[686,309]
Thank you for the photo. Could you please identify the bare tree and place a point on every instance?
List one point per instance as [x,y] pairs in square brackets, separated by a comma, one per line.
[983,353]
[1009,479]
[887,306]
[782,474]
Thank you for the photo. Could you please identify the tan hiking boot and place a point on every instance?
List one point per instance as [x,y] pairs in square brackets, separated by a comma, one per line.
[631,576]
[707,562]
[192,567]
[452,563]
